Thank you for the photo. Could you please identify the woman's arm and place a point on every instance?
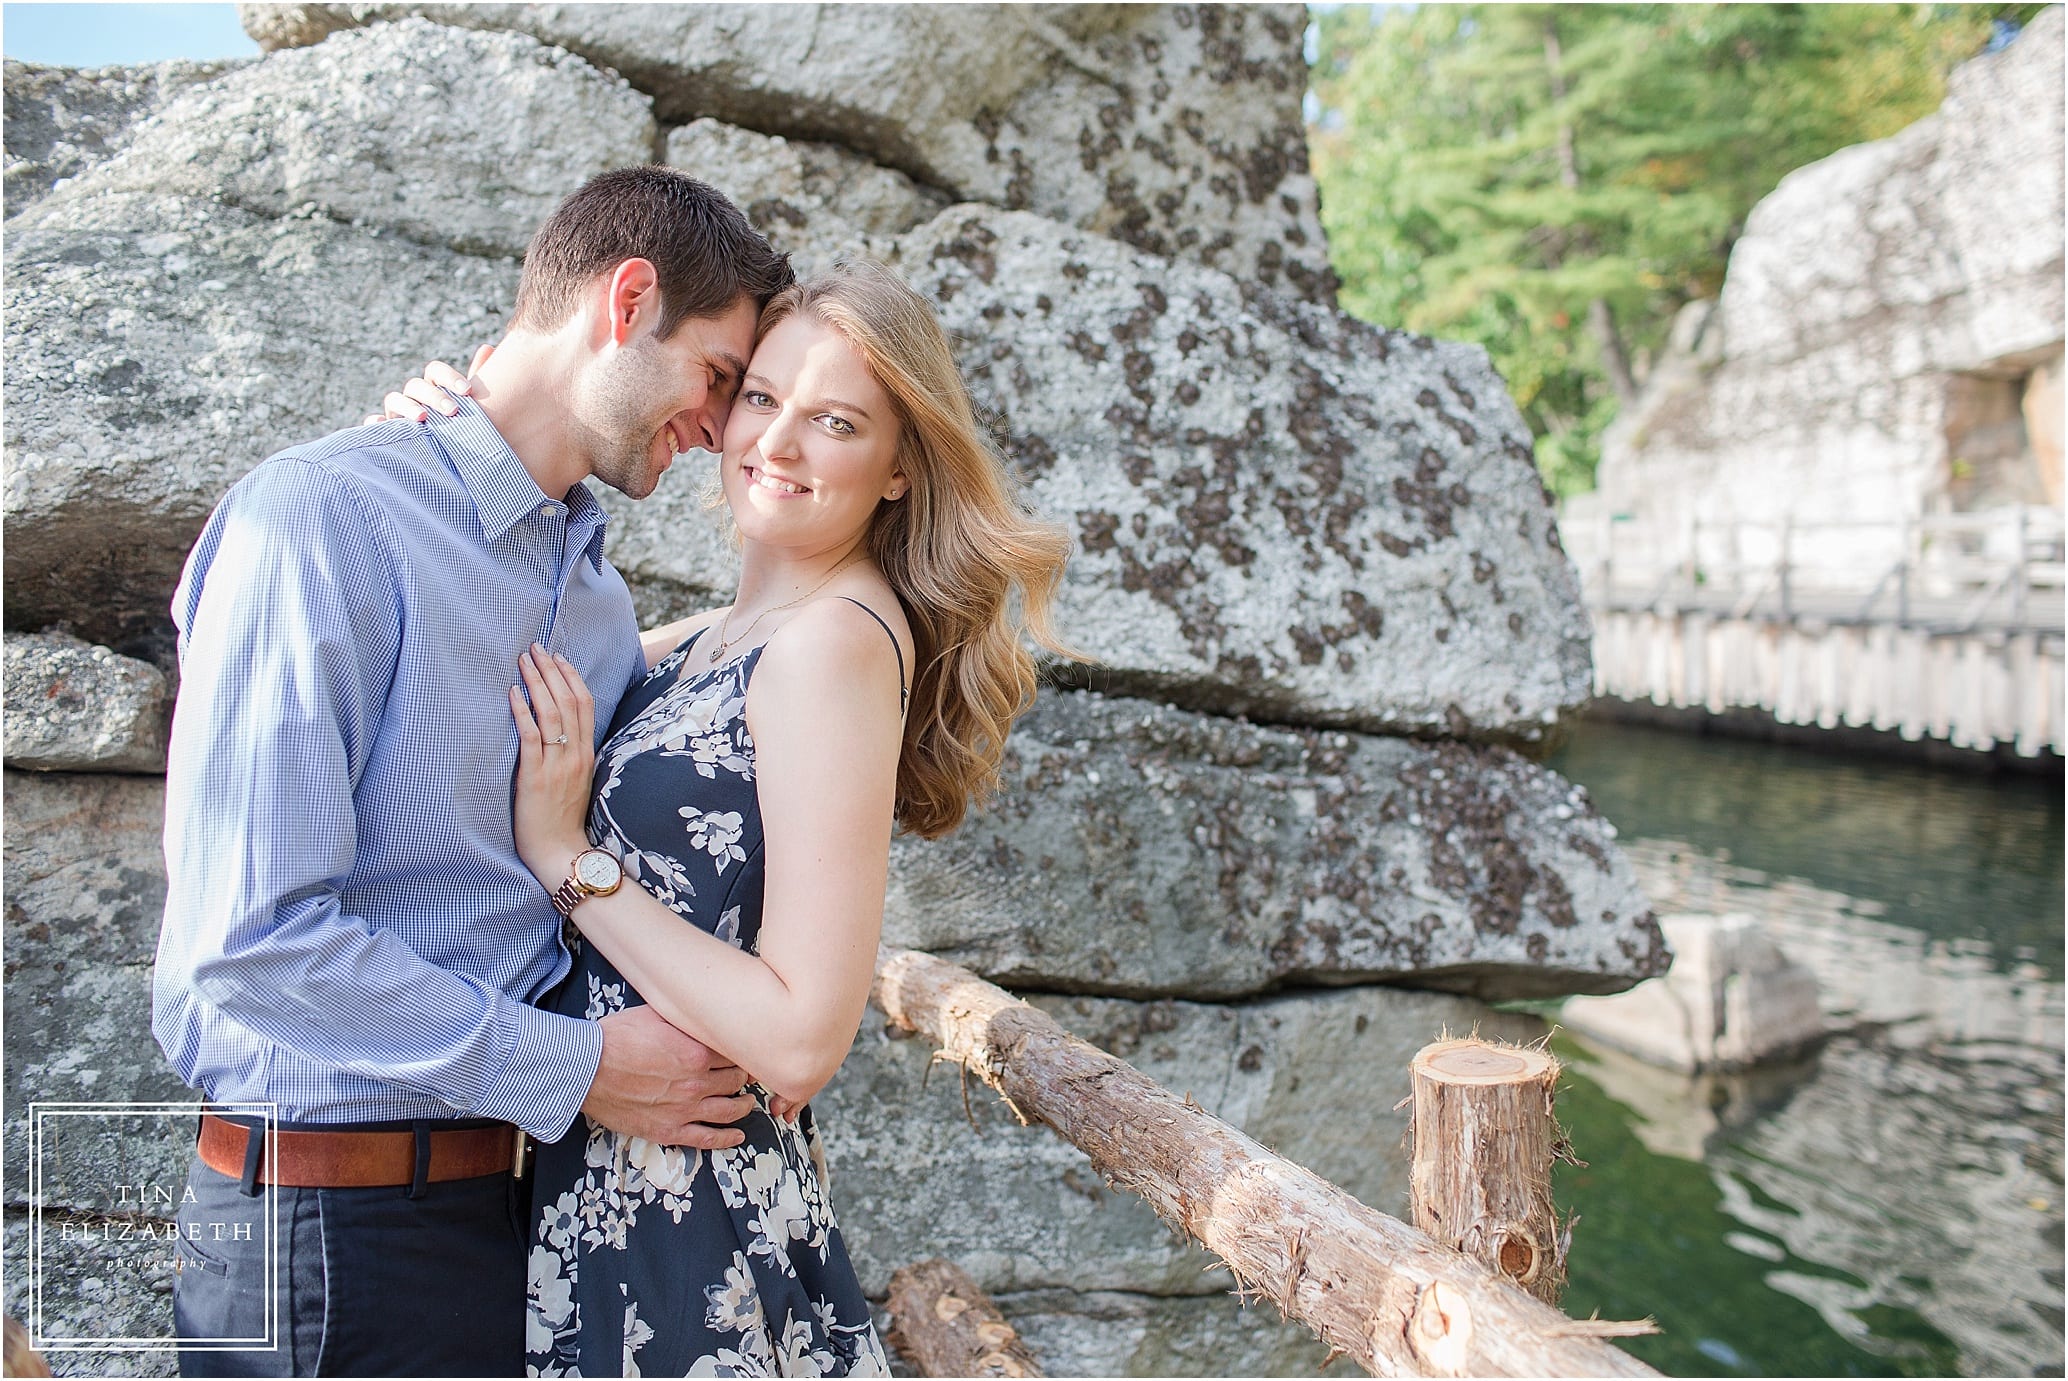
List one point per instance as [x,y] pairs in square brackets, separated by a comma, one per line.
[826,774]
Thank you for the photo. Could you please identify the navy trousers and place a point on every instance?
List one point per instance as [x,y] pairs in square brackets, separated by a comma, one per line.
[364,1282]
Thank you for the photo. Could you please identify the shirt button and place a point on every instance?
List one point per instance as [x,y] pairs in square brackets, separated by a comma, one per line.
[545,510]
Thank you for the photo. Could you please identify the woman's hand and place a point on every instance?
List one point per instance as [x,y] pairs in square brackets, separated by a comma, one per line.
[436,389]
[556,758]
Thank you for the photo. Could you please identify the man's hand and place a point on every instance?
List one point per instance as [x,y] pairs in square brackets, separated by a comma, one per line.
[657,1083]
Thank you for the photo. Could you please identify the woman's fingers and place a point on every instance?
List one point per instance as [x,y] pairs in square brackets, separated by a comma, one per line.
[528,742]
[584,704]
[480,358]
[432,395]
[402,406]
[446,377]
[544,707]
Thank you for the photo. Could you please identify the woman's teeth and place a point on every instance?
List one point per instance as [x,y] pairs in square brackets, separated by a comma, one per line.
[767,481]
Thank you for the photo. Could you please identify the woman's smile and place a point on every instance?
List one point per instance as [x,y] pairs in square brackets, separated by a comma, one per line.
[761,479]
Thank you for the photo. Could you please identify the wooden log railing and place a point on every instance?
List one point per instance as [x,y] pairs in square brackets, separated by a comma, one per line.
[1373,1288]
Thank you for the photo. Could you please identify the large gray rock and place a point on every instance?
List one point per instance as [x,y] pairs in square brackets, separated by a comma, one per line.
[93,1289]
[1120,1333]
[1314,1076]
[1143,850]
[158,347]
[85,896]
[816,201]
[1278,511]
[74,707]
[62,121]
[449,137]
[1881,319]
[1174,127]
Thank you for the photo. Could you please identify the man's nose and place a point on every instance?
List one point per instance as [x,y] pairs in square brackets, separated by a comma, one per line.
[707,425]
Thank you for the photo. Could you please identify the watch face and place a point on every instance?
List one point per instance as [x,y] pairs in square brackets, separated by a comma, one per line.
[597,870]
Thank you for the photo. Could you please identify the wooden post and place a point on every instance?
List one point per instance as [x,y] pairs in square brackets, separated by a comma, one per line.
[943,1325]
[1480,1179]
[1385,1294]
[20,1358]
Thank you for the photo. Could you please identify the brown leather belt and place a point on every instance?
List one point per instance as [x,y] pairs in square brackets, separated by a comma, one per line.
[354,1160]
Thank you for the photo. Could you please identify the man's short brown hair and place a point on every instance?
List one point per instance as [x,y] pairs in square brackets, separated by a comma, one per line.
[706,255]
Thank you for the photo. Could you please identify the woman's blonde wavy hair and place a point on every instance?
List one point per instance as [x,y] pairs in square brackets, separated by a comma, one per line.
[976,574]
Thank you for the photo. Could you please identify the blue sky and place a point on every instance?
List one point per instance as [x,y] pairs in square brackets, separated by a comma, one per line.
[98,35]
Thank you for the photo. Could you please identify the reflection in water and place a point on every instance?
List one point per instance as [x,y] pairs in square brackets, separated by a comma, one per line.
[1891,1205]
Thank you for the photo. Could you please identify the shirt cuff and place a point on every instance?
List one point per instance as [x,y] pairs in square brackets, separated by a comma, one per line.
[549,1072]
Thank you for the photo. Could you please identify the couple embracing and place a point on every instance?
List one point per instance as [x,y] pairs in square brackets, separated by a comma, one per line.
[540,933]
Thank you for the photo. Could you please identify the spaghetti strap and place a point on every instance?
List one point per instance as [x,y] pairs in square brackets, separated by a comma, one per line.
[904,693]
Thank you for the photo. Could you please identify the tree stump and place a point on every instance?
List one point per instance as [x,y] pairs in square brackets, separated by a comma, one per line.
[1484,1139]
[943,1325]
[21,1359]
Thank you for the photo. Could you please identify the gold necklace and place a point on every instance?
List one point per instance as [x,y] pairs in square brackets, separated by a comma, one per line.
[726,622]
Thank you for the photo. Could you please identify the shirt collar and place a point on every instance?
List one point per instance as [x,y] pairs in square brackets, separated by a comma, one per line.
[503,491]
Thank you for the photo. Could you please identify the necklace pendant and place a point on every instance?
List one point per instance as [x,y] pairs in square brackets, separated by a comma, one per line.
[716,653]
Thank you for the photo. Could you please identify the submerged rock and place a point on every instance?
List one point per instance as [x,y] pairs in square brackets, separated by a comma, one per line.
[1732,999]
[1144,850]
[74,707]
[1176,128]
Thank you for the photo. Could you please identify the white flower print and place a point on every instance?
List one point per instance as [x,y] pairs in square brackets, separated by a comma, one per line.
[728,927]
[734,1302]
[604,998]
[638,1333]
[717,833]
[550,1291]
[560,1223]
[669,1169]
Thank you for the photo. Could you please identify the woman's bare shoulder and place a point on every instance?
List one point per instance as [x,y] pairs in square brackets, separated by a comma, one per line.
[840,639]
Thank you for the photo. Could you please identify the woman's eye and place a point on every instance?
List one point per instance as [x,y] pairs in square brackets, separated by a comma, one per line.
[757,398]
[839,426]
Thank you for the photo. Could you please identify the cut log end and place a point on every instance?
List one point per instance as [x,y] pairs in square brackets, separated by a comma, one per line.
[1476,1063]
[942,1324]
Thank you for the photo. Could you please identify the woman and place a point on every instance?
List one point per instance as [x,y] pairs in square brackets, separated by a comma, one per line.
[868,669]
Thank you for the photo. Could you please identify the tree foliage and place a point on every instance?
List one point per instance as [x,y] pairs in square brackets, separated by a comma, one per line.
[1556,181]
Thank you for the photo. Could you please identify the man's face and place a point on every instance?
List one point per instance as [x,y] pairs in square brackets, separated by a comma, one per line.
[640,404]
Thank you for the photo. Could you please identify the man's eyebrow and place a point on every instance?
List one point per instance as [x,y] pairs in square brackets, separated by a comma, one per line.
[730,365]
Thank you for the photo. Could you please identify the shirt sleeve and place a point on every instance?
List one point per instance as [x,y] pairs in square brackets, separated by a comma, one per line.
[291,619]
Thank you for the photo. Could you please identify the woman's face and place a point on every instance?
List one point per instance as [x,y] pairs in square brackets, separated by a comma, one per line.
[811,445]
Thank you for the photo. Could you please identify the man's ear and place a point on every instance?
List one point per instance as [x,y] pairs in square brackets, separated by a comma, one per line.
[633,297]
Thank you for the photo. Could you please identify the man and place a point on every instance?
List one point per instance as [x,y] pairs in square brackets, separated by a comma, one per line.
[349,933]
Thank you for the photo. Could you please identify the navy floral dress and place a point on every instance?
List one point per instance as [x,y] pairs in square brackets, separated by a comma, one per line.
[664,1260]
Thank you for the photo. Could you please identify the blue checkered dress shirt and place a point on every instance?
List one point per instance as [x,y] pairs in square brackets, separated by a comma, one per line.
[348,930]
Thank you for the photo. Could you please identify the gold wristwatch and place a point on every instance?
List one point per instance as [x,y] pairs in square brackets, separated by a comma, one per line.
[594,873]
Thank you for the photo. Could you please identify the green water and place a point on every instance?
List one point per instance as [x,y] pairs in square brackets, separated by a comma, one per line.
[1892,1205]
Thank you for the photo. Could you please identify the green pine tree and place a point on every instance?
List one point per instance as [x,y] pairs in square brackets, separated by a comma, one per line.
[1556,181]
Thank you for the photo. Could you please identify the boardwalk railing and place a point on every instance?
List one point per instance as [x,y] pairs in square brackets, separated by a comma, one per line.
[1946,627]
[1956,572]
[1377,1290]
